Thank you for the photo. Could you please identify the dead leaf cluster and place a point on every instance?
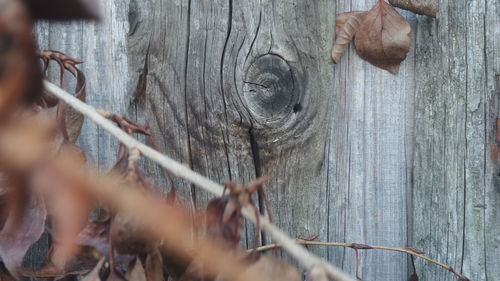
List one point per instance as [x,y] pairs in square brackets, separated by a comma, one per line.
[137,234]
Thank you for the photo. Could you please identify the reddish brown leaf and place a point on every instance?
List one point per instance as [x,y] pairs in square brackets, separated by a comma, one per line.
[5,275]
[70,120]
[154,266]
[68,205]
[129,236]
[73,120]
[96,236]
[224,219]
[341,19]
[347,24]
[383,38]
[20,77]
[423,7]
[136,271]
[62,9]
[17,237]
[317,273]
[273,269]
[99,273]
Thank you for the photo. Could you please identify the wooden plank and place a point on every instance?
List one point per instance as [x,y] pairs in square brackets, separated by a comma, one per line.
[440,132]
[492,172]
[455,117]
[102,46]
[370,154]
[238,89]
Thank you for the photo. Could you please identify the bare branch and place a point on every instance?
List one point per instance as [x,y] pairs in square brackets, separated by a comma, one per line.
[406,250]
[304,257]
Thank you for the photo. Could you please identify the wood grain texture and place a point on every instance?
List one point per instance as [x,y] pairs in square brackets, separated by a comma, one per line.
[237,89]
[455,191]
[370,153]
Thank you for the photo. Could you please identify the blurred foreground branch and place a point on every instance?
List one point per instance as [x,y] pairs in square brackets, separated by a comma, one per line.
[302,255]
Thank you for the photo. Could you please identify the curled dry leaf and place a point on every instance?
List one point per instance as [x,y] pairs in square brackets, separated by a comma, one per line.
[62,9]
[154,266]
[67,203]
[73,120]
[20,77]
[70,120]
[99,273]
[136,271]
[96,237]
[16,237]
[423,7]
[25,142]
[5,275]
[383,38]
[347,24]
[273,269]
[128,235]
[224,220]
[317,273]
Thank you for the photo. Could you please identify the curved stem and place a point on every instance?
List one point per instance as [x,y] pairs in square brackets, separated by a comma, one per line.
[406,250]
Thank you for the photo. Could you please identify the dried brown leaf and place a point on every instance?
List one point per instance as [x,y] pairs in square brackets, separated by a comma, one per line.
[273,269]
[20,76]
[129,236]
[224,219]
[50,271]
[68,205]
[347,24]
[154,266]
[383,38]
[34,134]
[99,273]
[96,236]
[136,271]
[62,9]
[16,237]
[73,119]
[5,275]
[317,273]
[423,7]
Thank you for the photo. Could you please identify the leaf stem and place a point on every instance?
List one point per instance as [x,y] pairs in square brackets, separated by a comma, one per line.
[406,250]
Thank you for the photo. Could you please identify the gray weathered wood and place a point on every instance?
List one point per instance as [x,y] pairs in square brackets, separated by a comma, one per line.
[455,192]
[239,89]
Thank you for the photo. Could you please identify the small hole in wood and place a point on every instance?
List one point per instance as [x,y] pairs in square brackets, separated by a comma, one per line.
[297,108]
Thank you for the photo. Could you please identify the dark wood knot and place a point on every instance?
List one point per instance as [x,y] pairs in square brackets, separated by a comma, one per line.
[269,89]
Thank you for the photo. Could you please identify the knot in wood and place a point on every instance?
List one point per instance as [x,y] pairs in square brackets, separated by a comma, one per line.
[269,89]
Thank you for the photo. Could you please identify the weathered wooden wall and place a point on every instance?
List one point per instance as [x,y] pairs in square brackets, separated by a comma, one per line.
[241,88]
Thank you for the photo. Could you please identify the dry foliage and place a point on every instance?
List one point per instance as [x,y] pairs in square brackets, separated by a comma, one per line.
[117,225]
[381,34]
[423,7]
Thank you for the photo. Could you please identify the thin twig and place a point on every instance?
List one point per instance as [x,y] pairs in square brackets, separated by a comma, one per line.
[407,250]
[304,257]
